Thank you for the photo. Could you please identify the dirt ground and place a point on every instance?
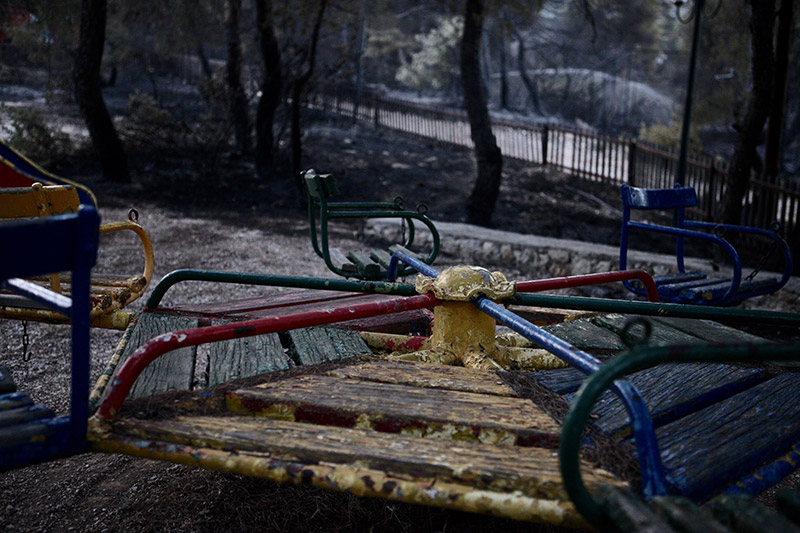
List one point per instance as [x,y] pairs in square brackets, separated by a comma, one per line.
[223,218]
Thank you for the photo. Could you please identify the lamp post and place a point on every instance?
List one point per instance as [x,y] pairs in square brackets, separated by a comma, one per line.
[696,12]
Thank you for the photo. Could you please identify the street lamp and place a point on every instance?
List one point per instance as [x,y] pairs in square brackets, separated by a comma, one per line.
[697,10]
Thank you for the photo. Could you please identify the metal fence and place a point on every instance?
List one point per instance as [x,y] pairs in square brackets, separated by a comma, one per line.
[585,154]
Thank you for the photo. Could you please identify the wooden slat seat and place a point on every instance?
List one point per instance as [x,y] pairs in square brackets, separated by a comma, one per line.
[713,448]
[672,391]
[695,287]
[368,264]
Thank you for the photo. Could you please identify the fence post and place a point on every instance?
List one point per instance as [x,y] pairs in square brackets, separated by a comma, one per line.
[545,135]
[632,163]
[712,174]
[375,106]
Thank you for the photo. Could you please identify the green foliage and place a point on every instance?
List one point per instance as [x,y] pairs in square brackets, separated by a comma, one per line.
[435,62]
[29,132]
[669,135]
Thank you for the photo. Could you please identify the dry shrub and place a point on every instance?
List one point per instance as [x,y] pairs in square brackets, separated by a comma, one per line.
[31,134]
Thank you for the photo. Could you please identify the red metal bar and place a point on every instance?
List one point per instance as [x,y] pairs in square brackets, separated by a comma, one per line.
[539,285]
[167,342]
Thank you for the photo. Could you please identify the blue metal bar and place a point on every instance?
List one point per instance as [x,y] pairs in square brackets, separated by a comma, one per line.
[653,477]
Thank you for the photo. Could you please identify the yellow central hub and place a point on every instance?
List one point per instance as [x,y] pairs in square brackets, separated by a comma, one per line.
[462,327]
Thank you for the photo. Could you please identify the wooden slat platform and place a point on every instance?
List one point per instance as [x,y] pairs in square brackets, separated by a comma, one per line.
[397,420]
[241,358]
[423,375]
[394,408]
[416,432]
[312,346]
[220,362]
[417,321]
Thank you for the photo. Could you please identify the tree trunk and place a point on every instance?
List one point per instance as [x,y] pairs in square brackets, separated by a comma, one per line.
[762,19]
[297,96]
[489,159]
[523,74]
[773,149]
[233,75]
[270,87]
[86,78]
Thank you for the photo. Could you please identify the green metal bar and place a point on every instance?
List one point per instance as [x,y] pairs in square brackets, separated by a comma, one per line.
[627,363]
[606,305]
[374,287]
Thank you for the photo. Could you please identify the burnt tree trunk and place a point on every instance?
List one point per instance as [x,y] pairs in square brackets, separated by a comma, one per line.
[762,20]
[233,77]
[309,59]
[489,159]
[783,44]
[86,79]
[270,87]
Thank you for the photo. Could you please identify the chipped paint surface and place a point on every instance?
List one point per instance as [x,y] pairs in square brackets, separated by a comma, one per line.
[356,478]
[465,283]
[465,336]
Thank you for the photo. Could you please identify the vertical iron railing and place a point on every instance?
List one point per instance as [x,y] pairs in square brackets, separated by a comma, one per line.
[585,154]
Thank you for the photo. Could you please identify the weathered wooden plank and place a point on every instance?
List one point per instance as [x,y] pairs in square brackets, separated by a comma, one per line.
[382,257]
[313,300]
[587,336]
[708,330]
[673,391]
[364,263]
[307,297]
[14,400]
[415,322]
[561,380]
[400,409]
[544,316]
[716,446]
[340,260]
[33,433]
[311,346]
[22,414]
[427,376]
[532,471]
[245,357]
[172,371]
[661,334]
